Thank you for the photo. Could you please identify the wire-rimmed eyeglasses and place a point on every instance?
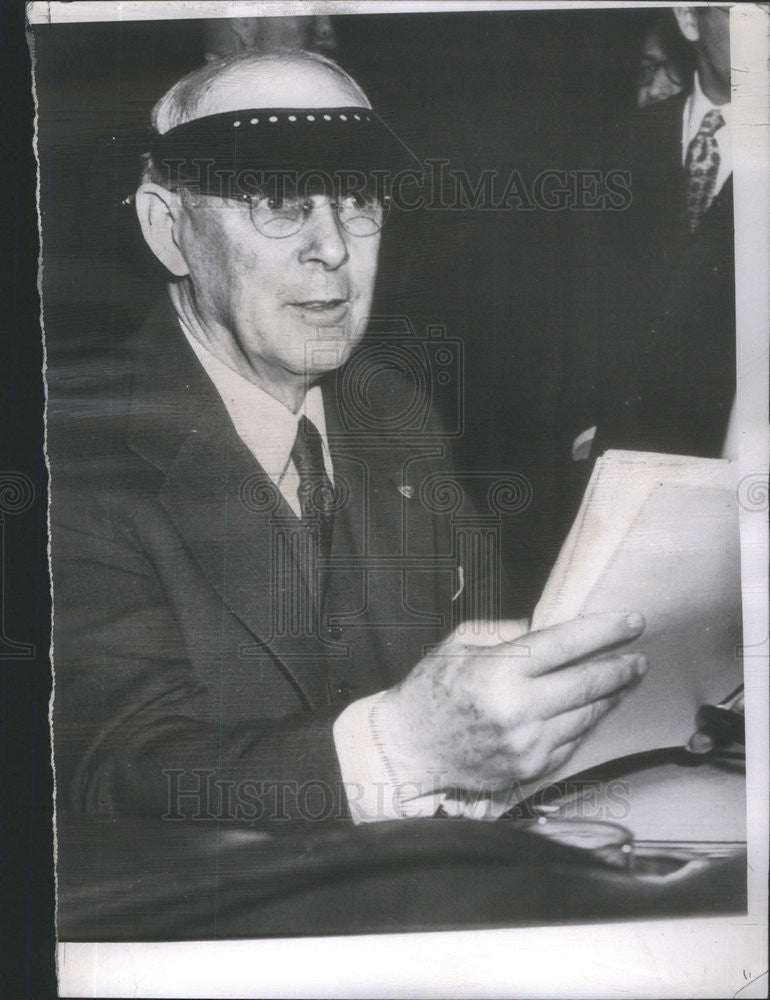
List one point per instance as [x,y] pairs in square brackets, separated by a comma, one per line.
[649,69]
[280,216]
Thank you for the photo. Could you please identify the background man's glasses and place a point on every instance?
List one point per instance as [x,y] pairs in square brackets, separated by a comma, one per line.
[649,69]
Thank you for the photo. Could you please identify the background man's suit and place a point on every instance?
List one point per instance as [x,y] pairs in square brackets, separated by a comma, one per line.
[667,364]
[179,632]
[647,351]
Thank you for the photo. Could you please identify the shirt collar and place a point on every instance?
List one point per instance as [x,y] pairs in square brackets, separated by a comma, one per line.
[266,426]
[696,107]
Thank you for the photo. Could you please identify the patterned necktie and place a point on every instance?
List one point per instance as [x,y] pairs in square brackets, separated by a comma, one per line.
[701,167]
[315,492]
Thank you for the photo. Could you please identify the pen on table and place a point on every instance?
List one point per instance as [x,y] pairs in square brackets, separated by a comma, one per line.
[719,724]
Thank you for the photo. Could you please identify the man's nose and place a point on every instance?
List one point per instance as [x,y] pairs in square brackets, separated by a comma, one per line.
[324,239]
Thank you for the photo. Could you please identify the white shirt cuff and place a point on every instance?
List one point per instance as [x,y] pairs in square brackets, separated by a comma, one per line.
[374,782]
[374,790]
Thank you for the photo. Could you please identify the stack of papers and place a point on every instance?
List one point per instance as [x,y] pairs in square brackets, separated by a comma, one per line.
[656,534]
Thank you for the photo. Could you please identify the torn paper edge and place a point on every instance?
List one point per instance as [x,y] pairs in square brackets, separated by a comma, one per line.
[44,377]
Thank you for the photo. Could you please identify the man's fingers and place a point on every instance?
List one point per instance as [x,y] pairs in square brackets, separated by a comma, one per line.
[572,726]
[562,754]
[554,647]
[584,683]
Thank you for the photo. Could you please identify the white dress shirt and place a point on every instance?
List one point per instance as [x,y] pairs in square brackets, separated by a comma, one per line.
[696,106]
[266,426]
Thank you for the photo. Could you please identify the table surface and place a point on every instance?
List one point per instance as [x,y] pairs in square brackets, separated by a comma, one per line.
[138,879]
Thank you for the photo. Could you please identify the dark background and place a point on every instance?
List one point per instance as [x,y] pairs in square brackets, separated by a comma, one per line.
[508,90]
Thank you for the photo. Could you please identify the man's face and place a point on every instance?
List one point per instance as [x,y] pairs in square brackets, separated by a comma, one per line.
[291,306]
[659,78]
[295,306]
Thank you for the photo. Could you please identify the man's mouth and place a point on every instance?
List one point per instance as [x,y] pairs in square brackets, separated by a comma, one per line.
[322,311]
[320,305]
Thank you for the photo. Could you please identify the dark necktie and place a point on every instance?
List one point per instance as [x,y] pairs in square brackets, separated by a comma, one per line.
[315,492]
[701,167]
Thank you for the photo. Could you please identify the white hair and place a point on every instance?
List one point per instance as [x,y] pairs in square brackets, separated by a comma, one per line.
[183,102]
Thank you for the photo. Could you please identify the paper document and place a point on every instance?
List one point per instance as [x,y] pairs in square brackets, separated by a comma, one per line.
[656,534]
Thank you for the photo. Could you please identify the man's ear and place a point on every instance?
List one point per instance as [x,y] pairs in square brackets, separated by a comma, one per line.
[687,20]
[158,209]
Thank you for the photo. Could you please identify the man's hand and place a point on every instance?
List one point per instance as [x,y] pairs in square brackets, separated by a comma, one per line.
[485,716]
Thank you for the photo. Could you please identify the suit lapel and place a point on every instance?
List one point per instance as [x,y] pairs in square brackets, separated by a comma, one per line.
[241,533]
[388,527]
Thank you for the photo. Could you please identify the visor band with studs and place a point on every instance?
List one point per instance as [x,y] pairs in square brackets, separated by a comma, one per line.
[232,151]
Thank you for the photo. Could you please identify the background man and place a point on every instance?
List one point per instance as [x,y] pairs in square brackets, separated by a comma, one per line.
[647,360]
[665,64]
[244,584]
[663,335]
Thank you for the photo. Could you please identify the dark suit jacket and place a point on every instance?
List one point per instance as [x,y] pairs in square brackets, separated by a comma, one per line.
[188,641]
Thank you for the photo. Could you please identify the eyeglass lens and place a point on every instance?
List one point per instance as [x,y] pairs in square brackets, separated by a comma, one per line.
[649,68]
[278,218]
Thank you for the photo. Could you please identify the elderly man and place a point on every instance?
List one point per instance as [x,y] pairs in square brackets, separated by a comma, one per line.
[252,584]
